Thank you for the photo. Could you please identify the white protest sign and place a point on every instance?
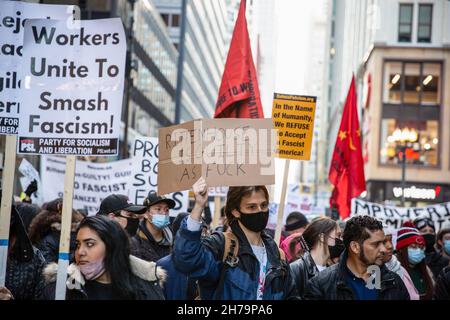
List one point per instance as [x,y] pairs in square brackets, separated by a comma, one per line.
[396,216]
[273,211]
[73,87]
[297,201]
[218,191]
[12,17]
[30,174]
[145,172]
[93,181]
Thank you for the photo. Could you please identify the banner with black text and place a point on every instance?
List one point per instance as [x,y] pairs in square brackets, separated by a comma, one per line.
[396,216]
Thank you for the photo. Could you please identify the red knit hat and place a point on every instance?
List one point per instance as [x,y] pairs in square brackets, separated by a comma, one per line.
[408,235]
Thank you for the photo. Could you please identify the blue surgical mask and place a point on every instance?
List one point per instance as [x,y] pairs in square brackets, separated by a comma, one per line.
[416,255]
[160,220]
[447,246]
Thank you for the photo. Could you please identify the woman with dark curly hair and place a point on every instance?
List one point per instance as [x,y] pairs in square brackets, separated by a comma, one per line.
[45,230]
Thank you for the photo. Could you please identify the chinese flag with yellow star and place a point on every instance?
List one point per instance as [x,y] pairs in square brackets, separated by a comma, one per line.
[347,166]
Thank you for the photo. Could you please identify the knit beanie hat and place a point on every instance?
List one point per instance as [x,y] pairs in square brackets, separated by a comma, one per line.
[408,235]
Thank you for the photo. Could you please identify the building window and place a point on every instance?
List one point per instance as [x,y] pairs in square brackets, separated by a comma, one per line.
[165,17]
[412,83]
[425,20]
[405,22]
[411,113]
[420,137]
[175,20]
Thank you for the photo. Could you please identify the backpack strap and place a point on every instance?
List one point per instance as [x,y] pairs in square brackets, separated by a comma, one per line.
[230,252]
[282,255]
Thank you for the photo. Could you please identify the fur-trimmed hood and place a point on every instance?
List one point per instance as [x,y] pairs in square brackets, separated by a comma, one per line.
[47,221]
[145,270]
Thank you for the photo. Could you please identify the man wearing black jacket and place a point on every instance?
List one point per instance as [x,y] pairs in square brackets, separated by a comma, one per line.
[360,274]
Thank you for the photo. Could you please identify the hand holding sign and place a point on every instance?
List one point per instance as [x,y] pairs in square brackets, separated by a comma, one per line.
[32,188]
[201,197]
[201,192]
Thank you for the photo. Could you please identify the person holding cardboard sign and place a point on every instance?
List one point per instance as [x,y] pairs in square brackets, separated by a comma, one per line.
[244,263]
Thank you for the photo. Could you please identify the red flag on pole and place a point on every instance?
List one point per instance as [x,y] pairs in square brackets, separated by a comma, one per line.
[347,167]
[239,92]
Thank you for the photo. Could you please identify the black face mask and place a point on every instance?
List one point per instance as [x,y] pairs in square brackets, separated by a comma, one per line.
[255,222]
[337,249]
[132,226]
[430,240]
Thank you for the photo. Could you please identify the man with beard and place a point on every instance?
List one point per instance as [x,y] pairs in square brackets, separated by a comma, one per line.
[360,274]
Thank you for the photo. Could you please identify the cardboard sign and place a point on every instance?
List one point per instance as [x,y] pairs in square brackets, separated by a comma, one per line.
[293,116]
[226,152]
[12,15]
[396,216]
[93,181]
[73,87]
[145,172]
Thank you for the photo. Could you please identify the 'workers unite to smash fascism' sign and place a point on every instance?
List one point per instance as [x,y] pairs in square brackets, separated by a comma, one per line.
[73,84]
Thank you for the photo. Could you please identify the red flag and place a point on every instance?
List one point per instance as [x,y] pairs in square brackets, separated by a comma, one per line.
[347,167]
[239,92]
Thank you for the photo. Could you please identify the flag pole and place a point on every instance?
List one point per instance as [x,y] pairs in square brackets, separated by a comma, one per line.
[282,201]
[7,196]
[66,222]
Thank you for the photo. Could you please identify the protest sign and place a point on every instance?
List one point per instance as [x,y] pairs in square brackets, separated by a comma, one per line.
[74,79]
[218,191]
[293,116]
[93,181]
[12,16]
[30,174]
[226,152]
[396,216]
[145,172]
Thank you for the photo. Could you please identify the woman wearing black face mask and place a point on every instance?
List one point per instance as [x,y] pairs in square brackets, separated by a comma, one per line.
[256,272]
[320,242]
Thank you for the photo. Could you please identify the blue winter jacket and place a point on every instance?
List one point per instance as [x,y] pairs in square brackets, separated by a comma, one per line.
[177,286]
[202,259]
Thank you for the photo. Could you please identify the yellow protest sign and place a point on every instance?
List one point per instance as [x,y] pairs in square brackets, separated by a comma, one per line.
[293,116]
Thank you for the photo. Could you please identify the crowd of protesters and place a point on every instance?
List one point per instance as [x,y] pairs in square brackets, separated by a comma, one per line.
[128,251]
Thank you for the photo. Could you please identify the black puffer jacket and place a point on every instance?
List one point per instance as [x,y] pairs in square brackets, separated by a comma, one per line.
[302,270]
[145,247]
[25,263]
[442,287]
[330,284]
[147,280]
[436,262]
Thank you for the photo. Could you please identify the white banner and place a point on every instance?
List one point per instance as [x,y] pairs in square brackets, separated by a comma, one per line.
[73,85]
[12,16]
[30,174]
[396,216]
[93,181]
[144,175]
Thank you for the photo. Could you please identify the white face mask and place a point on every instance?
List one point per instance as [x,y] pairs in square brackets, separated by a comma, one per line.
[92,270]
